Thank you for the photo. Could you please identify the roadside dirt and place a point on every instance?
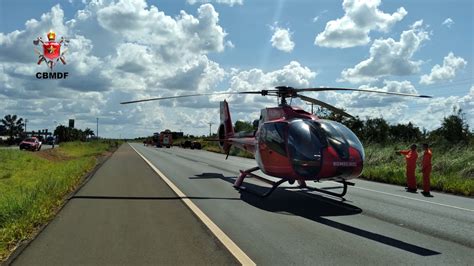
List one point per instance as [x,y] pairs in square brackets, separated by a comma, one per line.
[53,155]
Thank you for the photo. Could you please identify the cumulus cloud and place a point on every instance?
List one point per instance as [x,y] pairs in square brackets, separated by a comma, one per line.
[293,74]
[118,51]
[362,100]
[281,39]
[17,46]
[447,71]
[111,61]
[134,21]
[440,107]
[422,112]
[360,17]
[247,106]
[448,22]
[368,104]
[226,2]
[389,57]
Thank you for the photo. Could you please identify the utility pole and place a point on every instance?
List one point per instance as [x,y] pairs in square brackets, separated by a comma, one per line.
[97,130]
[210,130]
[26,121]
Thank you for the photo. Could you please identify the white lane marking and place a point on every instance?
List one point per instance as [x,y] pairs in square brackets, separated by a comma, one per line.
[225,240]
[435,203]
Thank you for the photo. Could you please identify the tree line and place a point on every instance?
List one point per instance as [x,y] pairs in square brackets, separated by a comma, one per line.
[65,134]
[454,129]
[14,127]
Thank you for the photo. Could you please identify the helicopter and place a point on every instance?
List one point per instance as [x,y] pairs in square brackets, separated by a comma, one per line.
[292,144]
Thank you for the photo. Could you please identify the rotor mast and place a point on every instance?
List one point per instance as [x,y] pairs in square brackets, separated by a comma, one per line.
[284,92]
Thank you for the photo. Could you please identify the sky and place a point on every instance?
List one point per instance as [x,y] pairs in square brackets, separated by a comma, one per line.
[125,50]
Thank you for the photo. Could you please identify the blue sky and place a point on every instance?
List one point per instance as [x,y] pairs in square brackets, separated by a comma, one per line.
[232,49]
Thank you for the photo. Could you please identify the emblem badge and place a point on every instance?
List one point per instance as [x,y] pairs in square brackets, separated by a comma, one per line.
[51,50]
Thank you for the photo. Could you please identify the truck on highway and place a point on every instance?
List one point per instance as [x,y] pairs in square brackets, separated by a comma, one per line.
[156,141]
[166,138]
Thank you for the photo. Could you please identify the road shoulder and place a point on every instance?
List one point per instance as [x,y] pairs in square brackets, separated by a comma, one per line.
[125,214]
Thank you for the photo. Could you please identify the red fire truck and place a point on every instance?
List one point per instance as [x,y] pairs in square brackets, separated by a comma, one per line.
[166,138]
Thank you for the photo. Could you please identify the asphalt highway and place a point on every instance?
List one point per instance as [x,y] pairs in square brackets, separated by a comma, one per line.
[377,224]
[126,215]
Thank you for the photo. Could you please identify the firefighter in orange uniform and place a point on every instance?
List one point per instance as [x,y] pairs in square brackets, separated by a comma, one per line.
[426,169]
[411,156]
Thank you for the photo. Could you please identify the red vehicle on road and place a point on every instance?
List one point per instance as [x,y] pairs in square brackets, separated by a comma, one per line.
[166,138]
[32,144]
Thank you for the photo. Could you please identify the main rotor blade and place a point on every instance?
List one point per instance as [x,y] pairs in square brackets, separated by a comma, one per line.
[325,105]
[191,95]
[361,90]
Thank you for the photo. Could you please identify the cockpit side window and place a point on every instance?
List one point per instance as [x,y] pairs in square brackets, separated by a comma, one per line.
[340,138]
[349,136]
[274,137]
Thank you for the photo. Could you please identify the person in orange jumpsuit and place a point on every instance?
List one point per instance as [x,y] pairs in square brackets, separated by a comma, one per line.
[410,156]
[426,169]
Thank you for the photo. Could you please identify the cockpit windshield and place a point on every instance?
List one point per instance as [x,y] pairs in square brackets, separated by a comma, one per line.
[307,138]
[305,142]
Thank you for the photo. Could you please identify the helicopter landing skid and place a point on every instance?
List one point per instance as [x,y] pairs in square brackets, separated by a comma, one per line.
[244,174]
[248,173]
[340,195]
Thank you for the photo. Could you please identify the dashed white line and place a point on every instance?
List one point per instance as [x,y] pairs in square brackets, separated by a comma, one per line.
[435,203]
[225,240]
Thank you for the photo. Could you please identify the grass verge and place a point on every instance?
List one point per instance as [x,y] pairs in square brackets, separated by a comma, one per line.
[453,167]
[34,185]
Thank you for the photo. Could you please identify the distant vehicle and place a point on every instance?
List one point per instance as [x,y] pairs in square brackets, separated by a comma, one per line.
[166,138]
[32,144]
[191,144]
[50,140]
[196,145]
[156,140]
[186,144]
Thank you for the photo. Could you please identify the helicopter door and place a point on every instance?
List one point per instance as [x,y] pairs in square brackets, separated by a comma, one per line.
[272,148]
[305,147]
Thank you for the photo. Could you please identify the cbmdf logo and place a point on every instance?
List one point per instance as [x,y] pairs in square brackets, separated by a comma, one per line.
[51,55]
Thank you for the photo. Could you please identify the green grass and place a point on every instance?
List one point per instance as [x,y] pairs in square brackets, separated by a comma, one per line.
[33,186]
[453,167]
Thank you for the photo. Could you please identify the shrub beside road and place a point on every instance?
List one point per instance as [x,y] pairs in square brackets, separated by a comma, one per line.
[34,185]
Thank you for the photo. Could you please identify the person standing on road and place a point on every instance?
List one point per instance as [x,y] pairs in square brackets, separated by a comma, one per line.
[426,169]
[410,156]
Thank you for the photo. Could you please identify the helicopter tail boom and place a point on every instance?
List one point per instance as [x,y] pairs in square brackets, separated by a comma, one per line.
[226,130]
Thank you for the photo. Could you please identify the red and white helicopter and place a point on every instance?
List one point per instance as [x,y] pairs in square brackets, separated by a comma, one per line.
[292,144]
